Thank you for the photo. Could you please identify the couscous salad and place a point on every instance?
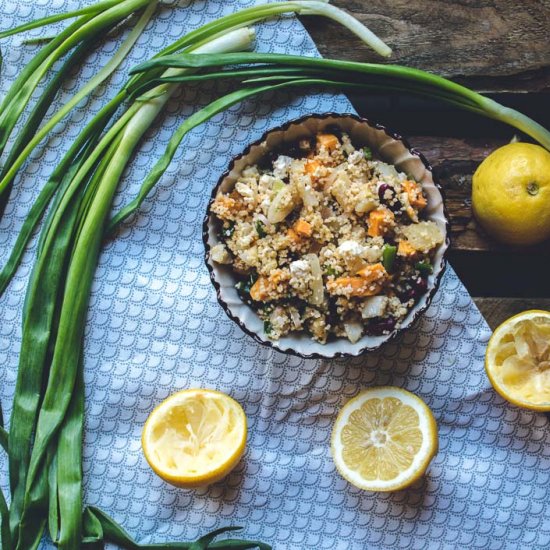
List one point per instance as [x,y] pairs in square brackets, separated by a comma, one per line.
[326,239]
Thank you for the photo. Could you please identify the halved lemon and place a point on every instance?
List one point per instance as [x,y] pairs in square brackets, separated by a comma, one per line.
[195,437]
[384,439]
[517,360]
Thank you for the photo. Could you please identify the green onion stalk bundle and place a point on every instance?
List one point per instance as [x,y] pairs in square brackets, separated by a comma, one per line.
[79,38]
[45,433]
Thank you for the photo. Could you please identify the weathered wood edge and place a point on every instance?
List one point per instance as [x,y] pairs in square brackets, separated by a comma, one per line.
[497,310]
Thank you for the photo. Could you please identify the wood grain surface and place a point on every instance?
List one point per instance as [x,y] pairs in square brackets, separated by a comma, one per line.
[506,40]
[497,310]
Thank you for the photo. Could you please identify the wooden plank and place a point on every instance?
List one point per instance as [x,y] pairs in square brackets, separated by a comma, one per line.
[506,40]
[497,310]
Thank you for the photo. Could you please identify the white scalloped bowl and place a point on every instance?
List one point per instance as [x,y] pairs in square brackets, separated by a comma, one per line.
[387,146]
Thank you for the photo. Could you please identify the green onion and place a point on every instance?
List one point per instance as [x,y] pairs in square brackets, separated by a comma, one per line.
[88,10]
[94,21]
[98,526]
[425,268]
[349,74]
[260,229]
[331,271]
[367,153]
[389,253]
[245,286]
[268,327]
[5,535]
[97,79]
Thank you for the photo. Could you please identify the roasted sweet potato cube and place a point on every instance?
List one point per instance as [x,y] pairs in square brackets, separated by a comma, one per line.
[293,237]
[328,141]
[406,250]
[303,228]
[357,287]
[373,273]
[311,165]
[381,221]
[269,288]
[226,207]
[414,192]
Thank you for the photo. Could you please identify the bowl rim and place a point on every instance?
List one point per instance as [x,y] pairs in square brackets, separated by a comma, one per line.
[397,331]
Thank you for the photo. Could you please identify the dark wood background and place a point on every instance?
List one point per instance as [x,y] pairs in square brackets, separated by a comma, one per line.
[499,47]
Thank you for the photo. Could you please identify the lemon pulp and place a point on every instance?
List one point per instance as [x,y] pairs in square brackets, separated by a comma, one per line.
[384,439]
[195,437]
[518,359]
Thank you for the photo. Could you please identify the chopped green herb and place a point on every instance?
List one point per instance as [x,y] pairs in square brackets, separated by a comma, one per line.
[268,327]
[329,270]
[245,286]
[425,268]
[241,286]
[367,152]
[260,228]
[278,185]
[388,257]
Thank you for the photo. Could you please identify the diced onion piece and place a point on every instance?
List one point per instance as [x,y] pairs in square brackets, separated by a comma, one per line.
[316,285]
[219,254]
[307,194]
[374,307]
[387,170]
[295,318]
[354,331]
[278,185]
[423,236]
[365,205]
[281,206]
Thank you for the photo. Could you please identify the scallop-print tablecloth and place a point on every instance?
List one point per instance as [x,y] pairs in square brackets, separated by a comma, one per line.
[154,327]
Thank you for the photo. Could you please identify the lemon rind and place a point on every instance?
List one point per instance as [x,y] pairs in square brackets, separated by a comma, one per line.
[496,336]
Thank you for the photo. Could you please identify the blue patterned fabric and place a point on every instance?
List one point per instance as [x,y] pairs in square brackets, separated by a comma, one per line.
[155,327]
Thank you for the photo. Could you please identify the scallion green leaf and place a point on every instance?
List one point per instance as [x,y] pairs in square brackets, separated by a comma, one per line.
[425,268]
[5,535]
[349,74]
[389,253]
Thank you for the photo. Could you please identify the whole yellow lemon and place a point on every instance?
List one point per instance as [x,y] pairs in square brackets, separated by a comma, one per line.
[511,194]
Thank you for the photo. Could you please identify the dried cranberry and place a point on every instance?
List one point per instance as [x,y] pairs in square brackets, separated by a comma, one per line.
[383,194]
[412,290]
[382,326]
[421,286]
[386,194]
[405,291]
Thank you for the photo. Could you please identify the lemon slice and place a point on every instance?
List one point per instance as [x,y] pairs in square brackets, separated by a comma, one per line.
[517,360]
[384,439]
[195,437]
